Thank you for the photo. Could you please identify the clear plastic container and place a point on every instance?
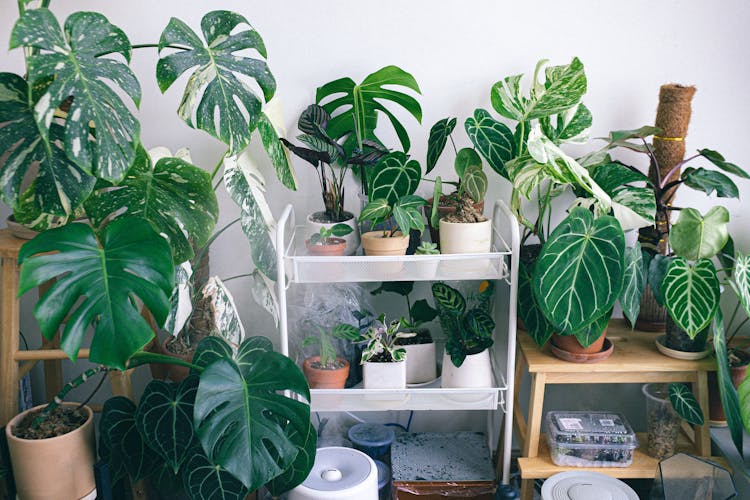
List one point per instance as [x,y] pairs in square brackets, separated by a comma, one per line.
[588,439]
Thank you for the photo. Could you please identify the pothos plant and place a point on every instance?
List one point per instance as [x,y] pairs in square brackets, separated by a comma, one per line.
[71,118]
[380,342]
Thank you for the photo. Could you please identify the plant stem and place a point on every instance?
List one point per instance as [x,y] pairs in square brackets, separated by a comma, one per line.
[670,185]
[663,181]
[83,377]
[156,45]
[450,136]
[237,276]
[213,237]
[218,165]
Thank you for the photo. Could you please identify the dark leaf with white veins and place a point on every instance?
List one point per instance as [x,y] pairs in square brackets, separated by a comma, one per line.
[436,142]
[685,404]
[396,176]
[80,65]
[691,294]
[493,140]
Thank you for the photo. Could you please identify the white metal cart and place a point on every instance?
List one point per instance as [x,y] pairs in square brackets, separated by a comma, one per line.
[500,264]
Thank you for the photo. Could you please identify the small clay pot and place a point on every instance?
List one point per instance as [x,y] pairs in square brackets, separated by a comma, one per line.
[175,373]
[322,378]
[375,244]
[331,247]
[570,344]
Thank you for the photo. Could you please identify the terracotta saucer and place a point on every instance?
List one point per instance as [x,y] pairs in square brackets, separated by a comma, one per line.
[685,355]
[606,352]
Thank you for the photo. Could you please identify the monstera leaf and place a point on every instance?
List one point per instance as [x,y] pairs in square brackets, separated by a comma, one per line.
[579,273]
[493,140]
[695,237]
[127,259]
[396,176]
[173,195]
[77,64]
[60,185]
[358,108]
[691,294]
[436,142]
[572,126]
[300,468]
[244,421]
[223,105]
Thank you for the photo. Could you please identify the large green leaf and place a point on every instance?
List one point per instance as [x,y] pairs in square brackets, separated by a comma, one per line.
[493,140]
[684,403]
[128,259]
[243,419]
[634,207]
[124,445]
[300,468]
[729,399]
[448,298]
[611,175]
[408,215]
[594,330]
[165,419]
[528,309]
[175,196]
[436,142]
[579,273]
[717,159]
[743,392]
[694,236]
[205,481]
[465,158]
[691,294]
[709,181]
[223,105]
[741,281]
[395,176]
[634,282]
[60,186]
[356,111]
[474,182]
[78,65]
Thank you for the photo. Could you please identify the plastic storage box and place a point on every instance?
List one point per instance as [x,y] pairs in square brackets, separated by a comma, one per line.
[586,439]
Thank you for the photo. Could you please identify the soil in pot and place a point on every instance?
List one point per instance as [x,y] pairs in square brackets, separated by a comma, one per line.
[177,348]
[738,361]
[447,206]
[62,420]
[320,376]
[331,247]
[678,340]
[422,337]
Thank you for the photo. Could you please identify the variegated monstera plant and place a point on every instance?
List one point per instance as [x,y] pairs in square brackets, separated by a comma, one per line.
[71,146]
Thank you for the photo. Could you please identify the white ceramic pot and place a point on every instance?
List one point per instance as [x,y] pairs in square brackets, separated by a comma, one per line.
[474,237]
[421,363]
[384,375]
[474,372]
[352,239]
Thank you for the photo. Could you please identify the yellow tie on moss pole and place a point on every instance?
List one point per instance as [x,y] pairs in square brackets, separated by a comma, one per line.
[673,118]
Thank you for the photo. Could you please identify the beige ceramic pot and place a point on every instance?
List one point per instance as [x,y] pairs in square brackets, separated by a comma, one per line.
[61,467]
[375,244]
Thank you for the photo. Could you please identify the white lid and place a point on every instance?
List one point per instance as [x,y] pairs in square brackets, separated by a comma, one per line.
[339,469]
[583,485]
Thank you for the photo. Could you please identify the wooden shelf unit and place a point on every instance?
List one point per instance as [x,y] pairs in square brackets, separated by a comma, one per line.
[634,360]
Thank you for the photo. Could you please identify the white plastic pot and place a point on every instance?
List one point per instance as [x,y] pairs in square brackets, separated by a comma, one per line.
[384,375]
[352,239]
[474,372]
[421,363]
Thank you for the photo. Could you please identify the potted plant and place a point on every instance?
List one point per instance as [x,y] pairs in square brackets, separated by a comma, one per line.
[421,362]
[427,269]
[384,362]
[398,216]
[332,163]
[327,370]
[328,240]
[469,331]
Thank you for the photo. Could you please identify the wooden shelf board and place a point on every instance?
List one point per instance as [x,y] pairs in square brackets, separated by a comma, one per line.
[542,467]
[635,351]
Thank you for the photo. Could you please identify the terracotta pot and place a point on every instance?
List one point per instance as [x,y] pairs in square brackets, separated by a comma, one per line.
[715,409]
[320,378]
[312,226]
[375,244]
[59,467]
[570,343]
[175,373]
[444,210]
[332,247]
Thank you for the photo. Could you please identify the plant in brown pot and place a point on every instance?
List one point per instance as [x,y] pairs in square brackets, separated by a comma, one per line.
[328,241]
[327,370]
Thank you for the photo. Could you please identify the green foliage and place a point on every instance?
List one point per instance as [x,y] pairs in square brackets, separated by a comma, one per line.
[691,294]
[322,236]
[381,341]
[709,181]
[439,134]
[474,183]
[697,237]
[493,140]
[396,176]
[405,213]
[685,403]
[717,159]
[427,248]
[341,331]
[634,281]
[528,309]
[126,259]
[594,330]
[729,398]
[420,312]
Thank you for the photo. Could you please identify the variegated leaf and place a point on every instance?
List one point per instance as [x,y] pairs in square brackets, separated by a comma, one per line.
[691,294]
[633,283]
[376,211]
[465,158]
[60,186]
[507,98]
[263,291]
[579,273]
[408,217]
[436,142]
[729,399]
[611,175]
[741,281]
[743,392]
[573,126]
[225,317]
[79,64]
[395,176]
[246,186]
[474,182]
[270,128]
[216,99]
[695,237]
[526,174]
[175,196]
[181,305]
[594,330]
[493,140]
[634,207]
[685,404]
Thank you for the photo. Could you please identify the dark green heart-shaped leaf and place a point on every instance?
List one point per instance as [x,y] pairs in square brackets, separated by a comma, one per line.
[118,434]
[709,181]
[436,142]
[175,196]
[223,105]
[376,211]
[694,236]
[296,473]
[578,275]
[206,481]
[356,111]
[493,140]
[243,419]
[717,159]
[691,294]
[396,176]
[77,62]
[634,282]
[729,400]
[422,312]
[60,186]
[165,419]
[684,403]
[129,259]
[594,330]
[402,288]
[528,309]
[657,268]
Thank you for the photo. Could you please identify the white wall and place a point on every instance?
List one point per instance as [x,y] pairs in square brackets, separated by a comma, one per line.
[456,50]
